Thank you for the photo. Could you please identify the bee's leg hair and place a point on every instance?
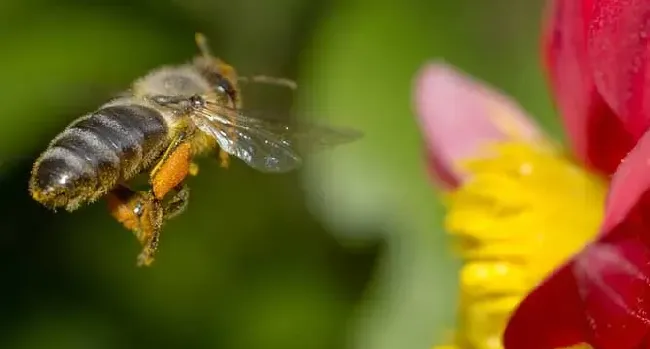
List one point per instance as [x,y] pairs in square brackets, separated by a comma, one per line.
[151,238]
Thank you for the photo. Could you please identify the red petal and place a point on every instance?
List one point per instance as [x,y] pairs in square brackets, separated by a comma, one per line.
[613,281]
[630,182]
[599,297]
[595,133]
[602,296]
[618,49]
[549,317]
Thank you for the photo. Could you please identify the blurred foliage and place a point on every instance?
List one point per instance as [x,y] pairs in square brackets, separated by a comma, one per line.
[345,254]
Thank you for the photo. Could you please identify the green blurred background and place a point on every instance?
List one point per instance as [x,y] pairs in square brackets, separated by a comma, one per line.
[347,253]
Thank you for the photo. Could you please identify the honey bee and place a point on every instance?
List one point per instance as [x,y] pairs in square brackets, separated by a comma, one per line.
[157,127]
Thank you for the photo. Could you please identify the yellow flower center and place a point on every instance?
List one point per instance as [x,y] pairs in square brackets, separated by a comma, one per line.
[523,210]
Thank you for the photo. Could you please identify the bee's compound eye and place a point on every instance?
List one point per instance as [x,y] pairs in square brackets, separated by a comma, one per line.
[224,86]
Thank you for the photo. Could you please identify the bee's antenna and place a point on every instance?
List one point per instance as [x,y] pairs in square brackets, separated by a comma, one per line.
[204,48]
[202,44]
[263,79]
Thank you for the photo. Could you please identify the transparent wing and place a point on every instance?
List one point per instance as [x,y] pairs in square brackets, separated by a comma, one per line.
[267,145]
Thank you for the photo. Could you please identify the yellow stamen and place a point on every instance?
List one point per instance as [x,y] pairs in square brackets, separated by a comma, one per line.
[524,208]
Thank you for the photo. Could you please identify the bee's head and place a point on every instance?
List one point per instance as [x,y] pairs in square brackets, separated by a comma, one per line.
[224,81]
[222,76]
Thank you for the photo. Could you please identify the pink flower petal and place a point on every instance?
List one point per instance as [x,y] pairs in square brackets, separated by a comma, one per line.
[459,115]
[597,137]
[602,295]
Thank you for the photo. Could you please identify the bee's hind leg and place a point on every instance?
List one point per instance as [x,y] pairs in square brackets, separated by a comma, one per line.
[167,177]
[177,203]
[141,213]
[150,235]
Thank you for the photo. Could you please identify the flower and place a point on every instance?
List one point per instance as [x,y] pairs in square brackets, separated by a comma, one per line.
[558,235]
[600,296]
[504,180]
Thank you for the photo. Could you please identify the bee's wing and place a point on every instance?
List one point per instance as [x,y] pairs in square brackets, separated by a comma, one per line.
[266,145]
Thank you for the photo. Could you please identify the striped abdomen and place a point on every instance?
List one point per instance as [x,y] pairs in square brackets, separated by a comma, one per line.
[96,152]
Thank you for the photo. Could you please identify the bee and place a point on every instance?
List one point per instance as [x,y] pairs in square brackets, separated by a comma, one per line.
[157,128]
